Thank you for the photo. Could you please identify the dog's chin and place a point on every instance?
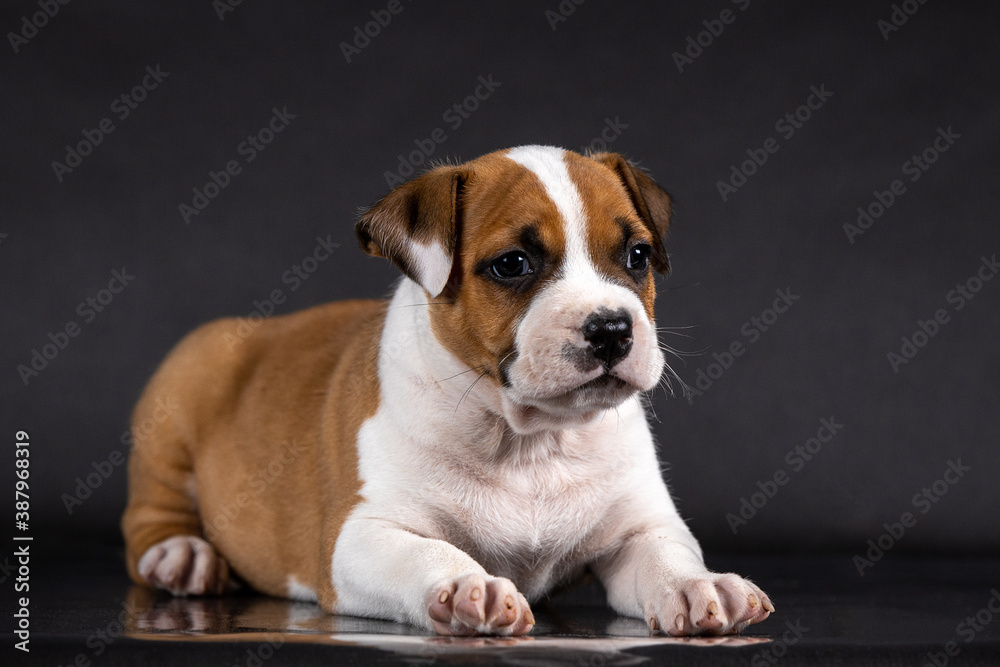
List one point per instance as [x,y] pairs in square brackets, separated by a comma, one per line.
[603,392]
[577,405]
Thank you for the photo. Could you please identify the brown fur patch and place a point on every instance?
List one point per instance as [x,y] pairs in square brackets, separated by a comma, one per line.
[650,201]
[268,426]
[501,203]
[610,217]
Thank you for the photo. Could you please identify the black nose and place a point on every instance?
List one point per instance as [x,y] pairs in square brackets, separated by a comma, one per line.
[609,334]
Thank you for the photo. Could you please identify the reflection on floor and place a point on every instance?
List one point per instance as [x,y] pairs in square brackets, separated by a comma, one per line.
[904,611]
[595,633]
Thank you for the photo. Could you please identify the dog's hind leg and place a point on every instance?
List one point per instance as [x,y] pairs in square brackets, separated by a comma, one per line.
[164,544]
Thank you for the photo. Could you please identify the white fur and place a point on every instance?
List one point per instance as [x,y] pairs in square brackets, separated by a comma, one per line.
[548,164]
[181,564]
[433,265]
[299,591]
[450,491]
[454,485]
[468,481]
[542,374]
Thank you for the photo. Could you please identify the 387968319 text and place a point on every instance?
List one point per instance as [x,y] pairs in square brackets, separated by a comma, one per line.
[22,539]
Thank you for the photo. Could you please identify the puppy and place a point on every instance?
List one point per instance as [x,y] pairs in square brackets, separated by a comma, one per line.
[448,456]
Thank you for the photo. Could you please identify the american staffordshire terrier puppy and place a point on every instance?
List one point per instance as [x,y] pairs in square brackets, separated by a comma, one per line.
[450,455]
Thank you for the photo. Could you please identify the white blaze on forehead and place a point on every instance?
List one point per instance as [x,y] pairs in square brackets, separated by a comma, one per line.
[549,165]
[541,374]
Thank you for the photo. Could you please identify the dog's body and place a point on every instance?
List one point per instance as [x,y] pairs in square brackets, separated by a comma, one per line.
[448,456]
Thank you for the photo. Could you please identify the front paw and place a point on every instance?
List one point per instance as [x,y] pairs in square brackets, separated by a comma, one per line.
[716,604]
[474,604]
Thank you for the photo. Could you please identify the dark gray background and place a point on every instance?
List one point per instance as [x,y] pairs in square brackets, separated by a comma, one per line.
[825,357]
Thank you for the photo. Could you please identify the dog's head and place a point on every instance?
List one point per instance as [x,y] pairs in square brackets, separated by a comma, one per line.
[540,262]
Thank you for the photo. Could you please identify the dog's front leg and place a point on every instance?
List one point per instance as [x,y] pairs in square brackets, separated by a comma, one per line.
[380,569]
[659,576]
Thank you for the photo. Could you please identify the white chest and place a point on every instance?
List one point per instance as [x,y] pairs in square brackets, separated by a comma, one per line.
[533,522]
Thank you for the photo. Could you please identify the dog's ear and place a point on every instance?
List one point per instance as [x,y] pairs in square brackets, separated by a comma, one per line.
[416,227]
[652,202]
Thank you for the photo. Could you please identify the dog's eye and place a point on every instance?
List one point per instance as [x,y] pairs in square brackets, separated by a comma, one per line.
[638,257]
[512,265]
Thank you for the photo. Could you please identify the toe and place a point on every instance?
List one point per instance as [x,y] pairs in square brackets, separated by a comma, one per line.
[743,601]
[526,620]
[672,617]
[440,606]
[508,612]
[501,604]
[470,601]
[149,561]
[202,569]
[175,566]
[707,612]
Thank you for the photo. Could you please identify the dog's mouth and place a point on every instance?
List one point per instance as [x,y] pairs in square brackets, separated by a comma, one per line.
[602,383]
[576,405]
[604,391]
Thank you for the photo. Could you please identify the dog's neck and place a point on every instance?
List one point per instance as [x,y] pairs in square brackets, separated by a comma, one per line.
[457,403]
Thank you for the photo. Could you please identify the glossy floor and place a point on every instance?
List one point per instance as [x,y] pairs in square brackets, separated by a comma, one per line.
[902,611]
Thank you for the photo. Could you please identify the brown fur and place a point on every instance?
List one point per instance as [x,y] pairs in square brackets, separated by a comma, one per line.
[606,205]
[477,324]
[270,422]
[485,205]
[286,394]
